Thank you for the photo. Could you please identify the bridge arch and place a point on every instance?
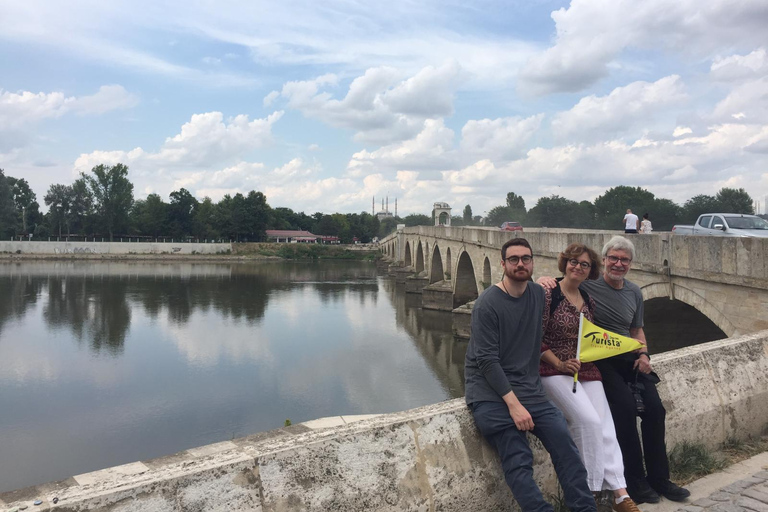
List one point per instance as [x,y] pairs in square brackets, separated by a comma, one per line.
[448,264]
[408,261]
[693,299]
[486,272]
[465,289]
[436,273]
[419,258]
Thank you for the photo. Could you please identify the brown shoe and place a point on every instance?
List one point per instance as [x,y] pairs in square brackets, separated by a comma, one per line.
[626,506]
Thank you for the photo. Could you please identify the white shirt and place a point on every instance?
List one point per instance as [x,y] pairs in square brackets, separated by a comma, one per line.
[630,220]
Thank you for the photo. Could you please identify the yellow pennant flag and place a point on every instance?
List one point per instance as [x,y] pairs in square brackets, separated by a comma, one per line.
[596,343]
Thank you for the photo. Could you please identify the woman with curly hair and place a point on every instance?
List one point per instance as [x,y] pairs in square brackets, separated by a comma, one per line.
[584,406]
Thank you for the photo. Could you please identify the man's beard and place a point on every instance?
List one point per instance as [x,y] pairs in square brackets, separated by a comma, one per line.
[514,275]
[614,277]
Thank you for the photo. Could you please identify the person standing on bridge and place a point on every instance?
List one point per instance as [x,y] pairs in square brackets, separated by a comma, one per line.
[628,379]
[631,222]
[503,387]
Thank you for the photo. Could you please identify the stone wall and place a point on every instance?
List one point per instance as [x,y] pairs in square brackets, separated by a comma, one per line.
[425,459]
[112,248]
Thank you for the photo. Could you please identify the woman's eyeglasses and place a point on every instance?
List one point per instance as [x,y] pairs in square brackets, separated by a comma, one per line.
[576,263]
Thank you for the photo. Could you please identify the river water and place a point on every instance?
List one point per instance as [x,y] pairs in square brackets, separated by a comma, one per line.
[105,363]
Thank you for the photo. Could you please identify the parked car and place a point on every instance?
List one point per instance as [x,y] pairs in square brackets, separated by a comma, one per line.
[725,224]
[511,226]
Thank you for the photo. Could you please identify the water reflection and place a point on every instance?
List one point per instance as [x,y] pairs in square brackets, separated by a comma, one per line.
[107,363]
[432,334]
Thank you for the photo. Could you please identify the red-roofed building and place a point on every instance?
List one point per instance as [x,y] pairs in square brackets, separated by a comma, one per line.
[291,236]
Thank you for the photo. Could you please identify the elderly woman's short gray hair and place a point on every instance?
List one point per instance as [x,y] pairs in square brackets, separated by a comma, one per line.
[619,243]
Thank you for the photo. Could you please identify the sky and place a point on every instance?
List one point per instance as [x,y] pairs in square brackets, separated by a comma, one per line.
[323,106]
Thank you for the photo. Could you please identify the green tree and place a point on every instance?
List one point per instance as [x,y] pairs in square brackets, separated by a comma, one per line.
[664,214]
[113,195]
[59,202]
[559,212]
[25,203]
[733,200]
[418,219]
[181,213]
[467,215]
[149,216]
[81,207]
[697,205]
[7,208]
[611,207]
[387,225]
[259,215]
[205,220]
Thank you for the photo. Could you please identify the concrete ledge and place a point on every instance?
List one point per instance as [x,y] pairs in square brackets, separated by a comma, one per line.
[97,248]
[430,458]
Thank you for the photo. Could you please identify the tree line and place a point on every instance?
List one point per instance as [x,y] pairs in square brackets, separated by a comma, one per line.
[101,204]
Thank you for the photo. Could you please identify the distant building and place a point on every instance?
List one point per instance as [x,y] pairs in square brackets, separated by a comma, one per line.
[291,236]
[442,214]
[384,213]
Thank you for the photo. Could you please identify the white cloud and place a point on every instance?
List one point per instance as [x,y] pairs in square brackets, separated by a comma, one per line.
[24,107]
[681,130]
[185,159]
[270,98]
[596,117]
[592,34]
[499,139]
[739,67]
[379,105]
[429,149]
[747,103]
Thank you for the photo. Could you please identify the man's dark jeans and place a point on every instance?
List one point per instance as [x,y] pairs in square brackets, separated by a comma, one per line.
[496,425]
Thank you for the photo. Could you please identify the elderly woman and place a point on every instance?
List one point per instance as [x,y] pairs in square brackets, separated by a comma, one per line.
[587,412]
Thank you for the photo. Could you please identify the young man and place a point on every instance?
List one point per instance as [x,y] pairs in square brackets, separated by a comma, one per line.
[631,222]
[504,391]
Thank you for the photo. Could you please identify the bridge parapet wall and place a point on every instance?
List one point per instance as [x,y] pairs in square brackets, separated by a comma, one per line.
[430,458]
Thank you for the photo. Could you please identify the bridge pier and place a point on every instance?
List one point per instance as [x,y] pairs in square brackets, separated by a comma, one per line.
[400,273]
[461,320]
[438,296]
[416,283]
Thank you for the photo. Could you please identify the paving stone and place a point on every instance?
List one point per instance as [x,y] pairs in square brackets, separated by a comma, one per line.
[726,507]
[735,487]
[690,508]
[750,481]
[751,504]
[721,496]
[704,502]
[756,494]
[763,475]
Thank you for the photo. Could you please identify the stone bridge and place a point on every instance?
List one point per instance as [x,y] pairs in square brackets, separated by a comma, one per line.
[724,278]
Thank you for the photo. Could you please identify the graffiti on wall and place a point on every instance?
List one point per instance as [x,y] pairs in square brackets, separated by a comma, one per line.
[76,250]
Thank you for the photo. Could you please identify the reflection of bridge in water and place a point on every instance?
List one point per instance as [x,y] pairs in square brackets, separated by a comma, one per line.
[432,335]
[696,288]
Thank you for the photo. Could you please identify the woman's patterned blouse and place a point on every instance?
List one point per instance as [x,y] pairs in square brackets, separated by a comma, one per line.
[561,330]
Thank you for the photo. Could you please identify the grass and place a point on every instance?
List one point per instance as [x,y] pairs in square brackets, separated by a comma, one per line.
[690,461]
[303,252]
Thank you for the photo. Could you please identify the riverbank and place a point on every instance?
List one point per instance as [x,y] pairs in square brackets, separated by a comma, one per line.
[180,251]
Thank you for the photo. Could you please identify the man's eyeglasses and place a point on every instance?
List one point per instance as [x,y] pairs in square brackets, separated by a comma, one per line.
[615,259]
[576,263]
[514,260]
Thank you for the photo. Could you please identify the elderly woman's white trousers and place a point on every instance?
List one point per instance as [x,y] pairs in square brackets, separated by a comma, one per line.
[591,427]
